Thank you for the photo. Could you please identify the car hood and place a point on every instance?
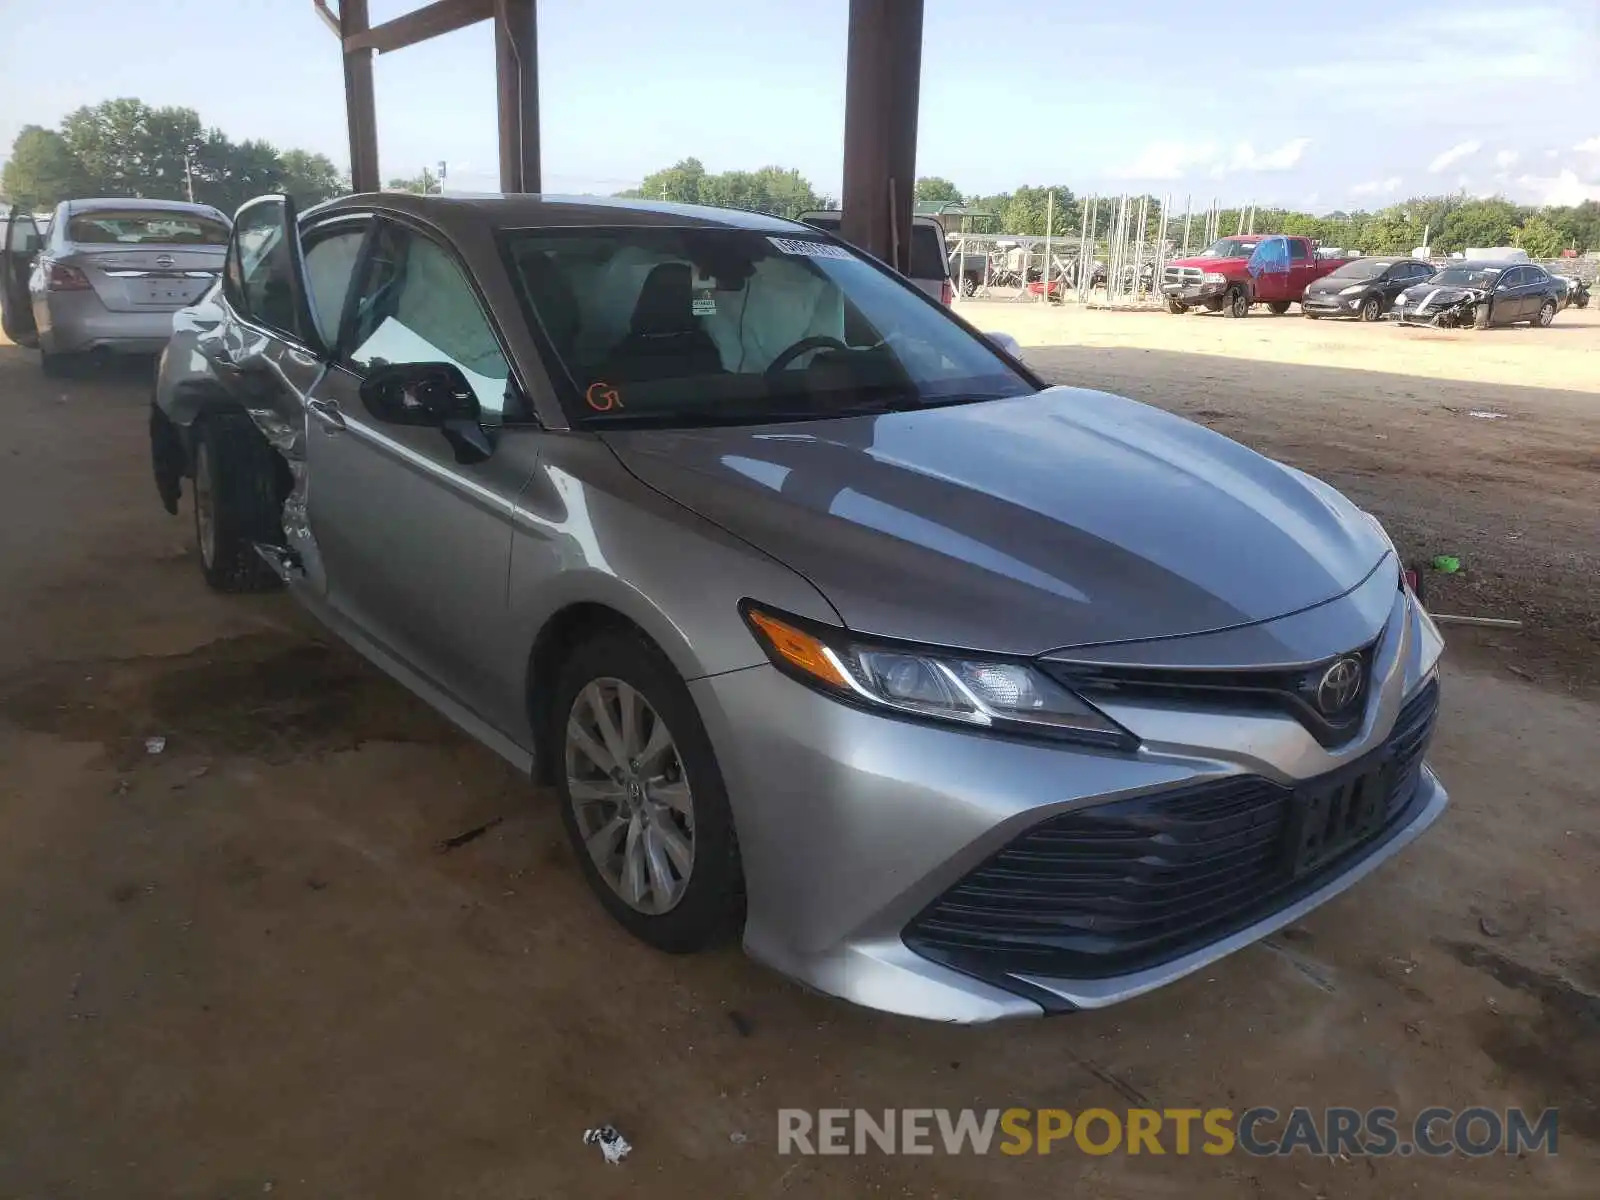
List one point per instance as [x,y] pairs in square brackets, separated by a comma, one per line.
[1018,526]
[1210,264]
[1440,295]
[1331,285]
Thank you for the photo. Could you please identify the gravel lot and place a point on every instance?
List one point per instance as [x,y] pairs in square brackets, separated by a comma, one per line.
[246,965]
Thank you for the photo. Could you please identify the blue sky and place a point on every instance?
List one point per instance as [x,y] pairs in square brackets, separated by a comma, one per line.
[1326,107]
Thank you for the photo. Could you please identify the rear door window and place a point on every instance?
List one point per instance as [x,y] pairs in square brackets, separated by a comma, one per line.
[331,255]
[260,275]
[928,260]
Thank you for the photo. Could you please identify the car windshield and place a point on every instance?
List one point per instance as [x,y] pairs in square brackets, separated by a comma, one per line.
[135,227]
[683,327]
[1362,268]
[1473,277]
[1231,248]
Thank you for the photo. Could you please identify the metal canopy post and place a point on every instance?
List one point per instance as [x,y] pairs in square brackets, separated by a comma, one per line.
[882,80]
[516,58]
[360,108]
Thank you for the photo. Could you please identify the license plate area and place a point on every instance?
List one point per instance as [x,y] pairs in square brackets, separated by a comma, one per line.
[1333,817]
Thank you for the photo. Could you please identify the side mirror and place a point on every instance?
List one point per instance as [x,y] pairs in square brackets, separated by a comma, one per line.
[432,395]
[1005,342]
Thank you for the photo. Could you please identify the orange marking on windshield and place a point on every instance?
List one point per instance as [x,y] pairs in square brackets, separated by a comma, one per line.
[602,397]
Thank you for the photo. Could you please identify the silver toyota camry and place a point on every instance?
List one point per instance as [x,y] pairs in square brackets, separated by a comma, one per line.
[834,628]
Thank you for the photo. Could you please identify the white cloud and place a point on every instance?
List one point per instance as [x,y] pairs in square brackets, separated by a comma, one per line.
[1564,189]
[1377,187]
[1455,154]
[1591,146]
[1506,158]
[1167,160]
[1285,158]
[1174,160]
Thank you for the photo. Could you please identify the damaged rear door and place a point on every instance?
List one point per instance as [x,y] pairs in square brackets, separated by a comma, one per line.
[17,257]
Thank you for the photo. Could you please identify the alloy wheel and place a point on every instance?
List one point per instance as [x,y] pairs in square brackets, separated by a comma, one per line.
[205,506]
[1547,314]
[630,795]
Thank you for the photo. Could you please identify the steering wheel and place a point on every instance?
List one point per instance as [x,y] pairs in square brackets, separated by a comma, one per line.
[804,346]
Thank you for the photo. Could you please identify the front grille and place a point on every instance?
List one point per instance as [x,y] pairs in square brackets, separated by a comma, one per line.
[1292,690]
[1127,884]
[1182,275]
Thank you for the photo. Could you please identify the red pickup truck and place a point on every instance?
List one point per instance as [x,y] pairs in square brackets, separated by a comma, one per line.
[1218,279]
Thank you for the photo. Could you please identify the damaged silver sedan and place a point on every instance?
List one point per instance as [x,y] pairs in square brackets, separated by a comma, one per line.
[1478,295]
[832,626]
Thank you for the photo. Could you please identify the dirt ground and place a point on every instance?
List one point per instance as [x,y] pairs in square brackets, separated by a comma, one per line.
[257,962]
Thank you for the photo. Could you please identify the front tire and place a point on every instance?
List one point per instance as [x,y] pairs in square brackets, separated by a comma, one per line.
[1175,308]
[237,503]
[1238,303]
[1480,315]
[1547,313]
[642,797]
[1371,309]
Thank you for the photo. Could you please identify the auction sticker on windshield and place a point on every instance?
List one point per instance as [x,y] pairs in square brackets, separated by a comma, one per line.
[809,248]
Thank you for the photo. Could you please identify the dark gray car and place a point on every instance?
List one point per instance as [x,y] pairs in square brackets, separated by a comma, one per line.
[1364,288]
[958,695]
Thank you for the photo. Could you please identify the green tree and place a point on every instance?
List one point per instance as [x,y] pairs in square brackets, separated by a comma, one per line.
[128,148]
[935,188]
[679,183]
[422,184]
[310,178]
[1579,224]
[42,170]
[1479,223]
[1540,237]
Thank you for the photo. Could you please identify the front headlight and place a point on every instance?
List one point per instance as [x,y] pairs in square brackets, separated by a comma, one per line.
[1353,289]
[1400,300]
[998,695]
[1214,277]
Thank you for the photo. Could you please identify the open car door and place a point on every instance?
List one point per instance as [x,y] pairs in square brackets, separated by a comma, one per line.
[20,252]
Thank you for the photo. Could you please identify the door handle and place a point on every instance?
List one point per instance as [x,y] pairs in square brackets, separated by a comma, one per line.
[327,412]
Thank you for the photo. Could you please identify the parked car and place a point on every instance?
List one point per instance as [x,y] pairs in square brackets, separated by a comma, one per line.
[108,276]
[1571,293]
[930,260]
[1219,279]
[1481,294]
[962,695]
[1363,288]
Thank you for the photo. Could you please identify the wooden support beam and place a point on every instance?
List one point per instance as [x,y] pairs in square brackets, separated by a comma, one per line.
[516,56]
[429,21]
[883,79]
[360,107]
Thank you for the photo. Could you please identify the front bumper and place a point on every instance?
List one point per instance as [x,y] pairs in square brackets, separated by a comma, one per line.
[1324,304]
[852,824]
[1193,293]
[77,322]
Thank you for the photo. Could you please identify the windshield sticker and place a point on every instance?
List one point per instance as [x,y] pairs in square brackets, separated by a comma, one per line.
[703,306]
[809,248]
[602,397]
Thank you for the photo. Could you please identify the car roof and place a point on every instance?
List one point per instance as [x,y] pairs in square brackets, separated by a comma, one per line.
[527,210]
[1488,264]
[130,203]
[833,214]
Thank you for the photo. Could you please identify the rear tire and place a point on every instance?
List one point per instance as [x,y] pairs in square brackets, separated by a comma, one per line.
[709,904]
[238,502]
[1278,307]
[1238,303]
[1547,313]
[1371,309]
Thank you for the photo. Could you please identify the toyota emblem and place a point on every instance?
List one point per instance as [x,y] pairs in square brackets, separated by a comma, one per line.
[1339,686]
[165,260]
